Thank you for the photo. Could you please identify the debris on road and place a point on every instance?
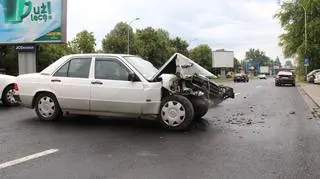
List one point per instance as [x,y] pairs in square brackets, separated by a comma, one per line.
[292,112]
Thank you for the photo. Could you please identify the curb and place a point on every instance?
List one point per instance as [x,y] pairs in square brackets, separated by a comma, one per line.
[301,88]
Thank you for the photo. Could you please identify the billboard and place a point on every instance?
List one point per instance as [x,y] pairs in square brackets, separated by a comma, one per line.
[252,67]
[264,69]
[222,59]
[33,21]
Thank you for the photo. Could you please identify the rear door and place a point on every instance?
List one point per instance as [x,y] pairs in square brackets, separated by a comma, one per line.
[71,84]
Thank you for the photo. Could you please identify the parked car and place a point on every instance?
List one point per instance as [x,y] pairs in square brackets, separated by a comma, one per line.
[317,78]
[7,86]
[285,77]
[122,85]
[240,77]
[262,76]
[311,76]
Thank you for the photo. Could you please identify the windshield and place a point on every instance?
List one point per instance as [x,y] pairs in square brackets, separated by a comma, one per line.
[146,68]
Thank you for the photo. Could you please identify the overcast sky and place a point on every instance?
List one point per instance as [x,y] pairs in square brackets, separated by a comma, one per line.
[229,24]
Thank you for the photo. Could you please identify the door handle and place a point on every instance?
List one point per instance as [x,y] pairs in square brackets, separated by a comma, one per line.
[55,80]
[96,83]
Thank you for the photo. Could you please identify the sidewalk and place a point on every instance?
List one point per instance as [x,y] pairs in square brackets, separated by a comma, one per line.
[312,90]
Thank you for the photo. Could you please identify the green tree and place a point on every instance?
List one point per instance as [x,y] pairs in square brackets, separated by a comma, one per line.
[9,59]
[49,53]
[180,46]
[291,17]
[288,64]
[277,62]
[116,41]
[99,51]
[236,64]
[257,56]
[202,55]
[152,45]
[84,42]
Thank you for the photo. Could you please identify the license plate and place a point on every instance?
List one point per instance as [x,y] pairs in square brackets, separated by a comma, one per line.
[285,78]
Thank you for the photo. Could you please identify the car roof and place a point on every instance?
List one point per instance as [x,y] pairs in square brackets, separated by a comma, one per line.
[52,67]
[97,54]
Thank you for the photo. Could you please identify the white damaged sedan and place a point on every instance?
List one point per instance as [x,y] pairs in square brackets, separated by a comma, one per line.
[122,85]
[7,90]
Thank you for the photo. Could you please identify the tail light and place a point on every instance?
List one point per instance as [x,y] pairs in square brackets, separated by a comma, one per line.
[15,87]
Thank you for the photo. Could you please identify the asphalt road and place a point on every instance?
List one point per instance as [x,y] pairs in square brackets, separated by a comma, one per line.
[266,132]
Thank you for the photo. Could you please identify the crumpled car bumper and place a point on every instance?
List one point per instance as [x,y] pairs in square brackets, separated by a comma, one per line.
[227,92]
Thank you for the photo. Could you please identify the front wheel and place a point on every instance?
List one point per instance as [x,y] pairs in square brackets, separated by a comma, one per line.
[47,107]
[176,112]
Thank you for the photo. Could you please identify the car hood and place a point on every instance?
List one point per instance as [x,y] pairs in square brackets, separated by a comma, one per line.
[179,63]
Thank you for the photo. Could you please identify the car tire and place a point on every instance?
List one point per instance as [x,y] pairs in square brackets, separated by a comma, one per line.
[200,107]
[176,112]
[7,96]
[293,84]
[47,107]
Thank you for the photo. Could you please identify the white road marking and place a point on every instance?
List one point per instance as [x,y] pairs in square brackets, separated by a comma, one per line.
[236,94]
[24,159]
[259,86]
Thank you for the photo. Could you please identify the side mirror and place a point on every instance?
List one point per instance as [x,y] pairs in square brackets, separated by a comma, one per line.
[133,77]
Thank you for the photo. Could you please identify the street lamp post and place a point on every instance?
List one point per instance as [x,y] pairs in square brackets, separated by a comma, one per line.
[129,32]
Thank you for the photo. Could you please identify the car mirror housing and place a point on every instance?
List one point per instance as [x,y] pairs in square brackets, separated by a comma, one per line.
[133,77]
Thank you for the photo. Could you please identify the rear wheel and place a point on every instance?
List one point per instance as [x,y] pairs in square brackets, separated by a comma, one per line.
[7,96]
[47,107]
[176,112]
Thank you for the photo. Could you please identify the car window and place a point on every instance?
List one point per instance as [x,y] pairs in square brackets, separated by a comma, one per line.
[63,71]
[76,68]
[110,70]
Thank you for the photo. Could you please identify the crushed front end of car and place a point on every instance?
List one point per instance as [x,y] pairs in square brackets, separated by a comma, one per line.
[183,76]
[199,85]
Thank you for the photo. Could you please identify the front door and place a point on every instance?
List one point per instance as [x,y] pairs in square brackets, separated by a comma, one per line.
[111,89]
[71,84]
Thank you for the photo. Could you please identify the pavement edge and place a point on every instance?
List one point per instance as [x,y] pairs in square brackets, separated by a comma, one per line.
[301,89]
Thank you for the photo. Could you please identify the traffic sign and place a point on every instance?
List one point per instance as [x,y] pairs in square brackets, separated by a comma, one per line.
[306,62]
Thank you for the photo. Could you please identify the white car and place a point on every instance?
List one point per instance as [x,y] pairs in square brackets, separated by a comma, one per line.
[7,86]
[262,76]
[317,78]
[311,76]
[122,85]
